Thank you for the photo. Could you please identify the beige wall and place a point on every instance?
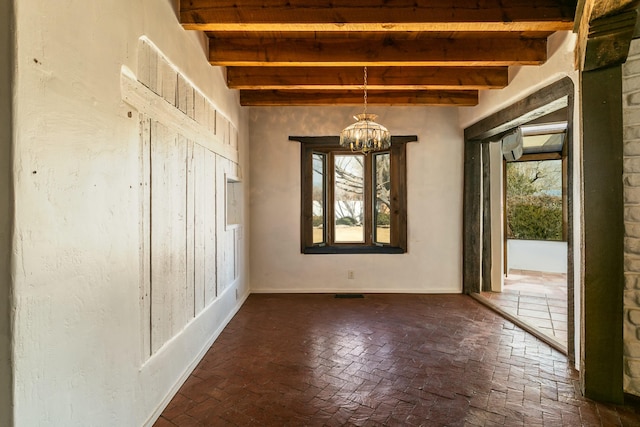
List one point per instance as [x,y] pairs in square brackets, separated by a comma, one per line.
[6,208]
[80,254]
[525,80]
[434,170]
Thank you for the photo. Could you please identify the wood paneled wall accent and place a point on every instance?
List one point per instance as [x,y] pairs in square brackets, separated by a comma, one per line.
[181,224]
[171,304]
[188,255]
[201,120]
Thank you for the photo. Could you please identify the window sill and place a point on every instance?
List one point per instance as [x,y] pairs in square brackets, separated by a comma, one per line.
[354,249]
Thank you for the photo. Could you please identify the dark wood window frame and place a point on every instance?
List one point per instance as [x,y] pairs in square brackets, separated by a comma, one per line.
[398,217]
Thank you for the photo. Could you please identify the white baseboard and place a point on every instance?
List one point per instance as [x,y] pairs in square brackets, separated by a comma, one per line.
[356,291]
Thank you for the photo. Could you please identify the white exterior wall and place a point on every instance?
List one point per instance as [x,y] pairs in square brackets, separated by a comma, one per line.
[434,171]
[537,255]
[524,81]
[6,208]
[81,215]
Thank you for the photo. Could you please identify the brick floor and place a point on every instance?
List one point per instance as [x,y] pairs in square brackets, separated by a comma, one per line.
[382,360]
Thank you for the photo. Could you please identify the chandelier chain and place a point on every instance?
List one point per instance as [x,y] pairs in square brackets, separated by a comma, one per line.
[365,135]
[365,89]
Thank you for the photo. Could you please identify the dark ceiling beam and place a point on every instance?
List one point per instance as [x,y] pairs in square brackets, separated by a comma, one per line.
[392,78]
[365,15]
[339,97]
[278,51]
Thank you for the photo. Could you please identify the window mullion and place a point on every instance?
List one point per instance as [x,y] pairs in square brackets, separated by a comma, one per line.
[307,202]
[329,182]
[368,199]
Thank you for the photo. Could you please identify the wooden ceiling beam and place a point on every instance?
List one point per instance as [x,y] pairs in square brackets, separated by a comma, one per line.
[277,51]
[419,52]
[273,98]
[364,15]
[391,78]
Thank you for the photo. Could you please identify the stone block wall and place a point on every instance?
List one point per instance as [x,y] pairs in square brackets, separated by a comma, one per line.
[631,178]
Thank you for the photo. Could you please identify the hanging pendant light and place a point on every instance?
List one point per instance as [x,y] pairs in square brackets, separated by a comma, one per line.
[365,134]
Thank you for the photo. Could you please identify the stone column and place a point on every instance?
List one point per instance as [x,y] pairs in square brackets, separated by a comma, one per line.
[631,179]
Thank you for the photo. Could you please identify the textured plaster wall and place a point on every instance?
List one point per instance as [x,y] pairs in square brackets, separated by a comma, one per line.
[631,135]
[77,244]
[524,81]
[434,170]
[6,208]
[497,237]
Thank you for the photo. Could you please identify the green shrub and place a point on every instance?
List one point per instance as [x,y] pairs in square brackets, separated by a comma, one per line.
[346,220]
[383,219]
[534,217]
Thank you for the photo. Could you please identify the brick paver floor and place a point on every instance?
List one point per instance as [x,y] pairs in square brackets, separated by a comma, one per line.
[382,360]
[536,298]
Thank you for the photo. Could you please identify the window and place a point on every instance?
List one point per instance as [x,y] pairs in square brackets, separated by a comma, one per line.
[351,202]
[534,200]
[535,196]
[233,201]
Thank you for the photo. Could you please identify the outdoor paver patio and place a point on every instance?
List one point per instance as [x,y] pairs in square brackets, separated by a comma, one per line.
[539,299]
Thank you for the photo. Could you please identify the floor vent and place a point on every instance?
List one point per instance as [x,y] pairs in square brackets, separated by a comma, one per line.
[349,296]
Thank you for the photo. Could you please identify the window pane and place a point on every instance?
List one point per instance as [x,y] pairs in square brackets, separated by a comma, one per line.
[349,199]
[534,200]
[382,197]
[318,198]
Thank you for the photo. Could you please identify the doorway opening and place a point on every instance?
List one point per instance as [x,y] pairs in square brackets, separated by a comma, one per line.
[533,287]
[530,138]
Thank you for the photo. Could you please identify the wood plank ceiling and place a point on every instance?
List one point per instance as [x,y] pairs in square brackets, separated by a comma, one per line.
[418,52]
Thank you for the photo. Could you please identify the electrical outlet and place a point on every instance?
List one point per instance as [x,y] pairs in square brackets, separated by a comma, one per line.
[350,275]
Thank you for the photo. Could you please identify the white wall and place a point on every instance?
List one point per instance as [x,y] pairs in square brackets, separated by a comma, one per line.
[434,164]
[524,81]
[79,214]
[537,255]
[497,213]
[6,208]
